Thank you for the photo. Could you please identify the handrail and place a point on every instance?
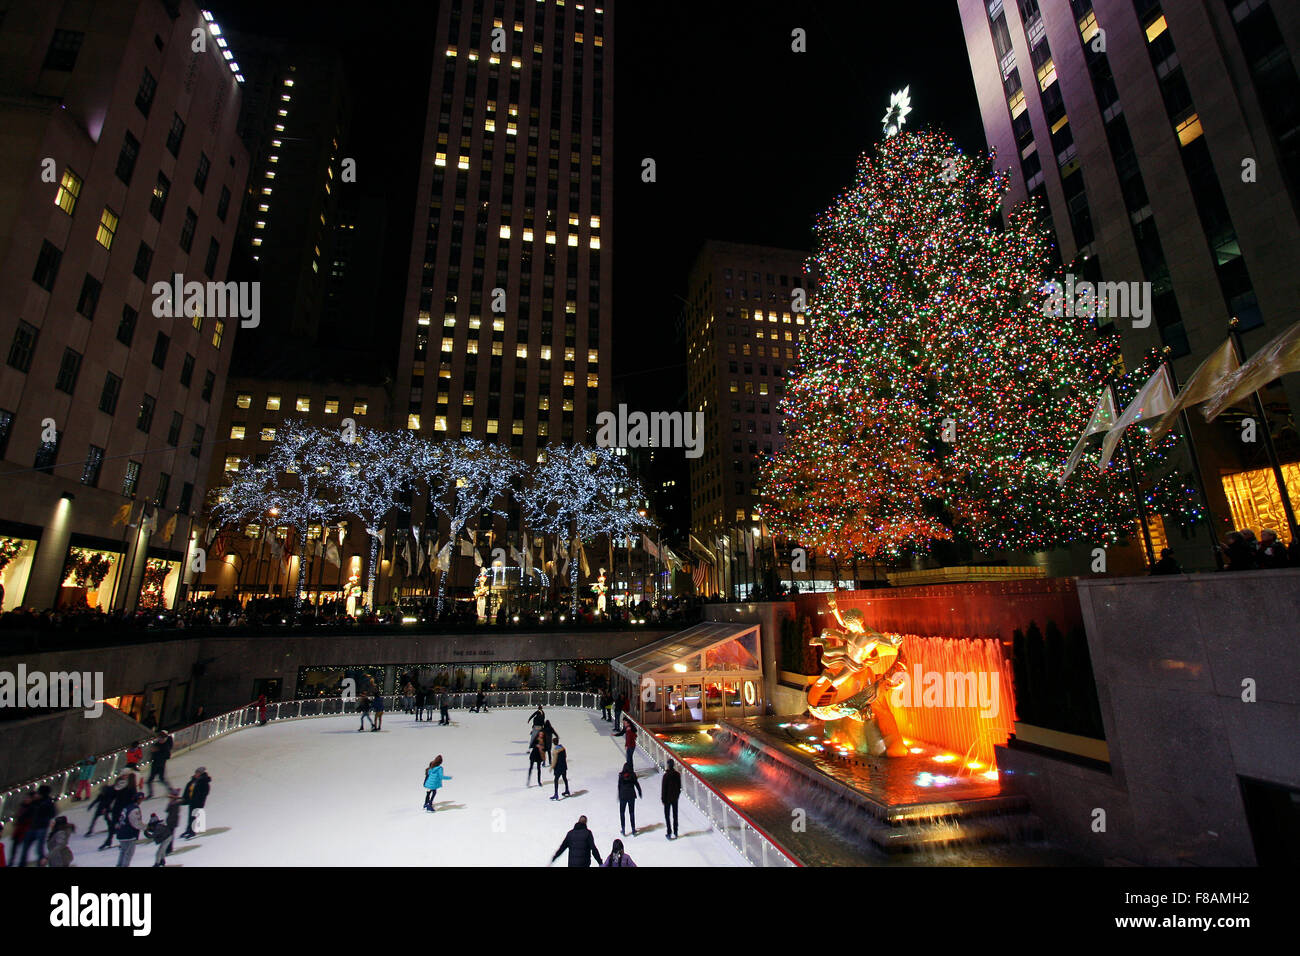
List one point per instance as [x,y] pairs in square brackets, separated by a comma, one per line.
[769,852]
[111,763]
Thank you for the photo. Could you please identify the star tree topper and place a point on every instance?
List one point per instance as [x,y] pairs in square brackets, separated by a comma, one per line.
[900,104]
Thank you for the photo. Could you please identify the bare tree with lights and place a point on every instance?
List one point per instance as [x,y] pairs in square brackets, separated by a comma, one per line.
[292,487]
[373,473]
[466,478]
[581,493]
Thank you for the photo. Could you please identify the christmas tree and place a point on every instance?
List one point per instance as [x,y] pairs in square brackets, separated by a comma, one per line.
[936,399]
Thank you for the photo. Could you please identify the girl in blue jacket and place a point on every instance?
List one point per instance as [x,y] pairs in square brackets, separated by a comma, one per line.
[433,778]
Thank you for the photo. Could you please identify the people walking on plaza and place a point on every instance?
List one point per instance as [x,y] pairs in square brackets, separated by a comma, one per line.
[444,712]
[581,845]
[560,766]
[629,788]
[85,770]
[363,706]
[669,793]
[123,800]
[1271,552]
[606,701]
[37,816]
[159,754]
[548,738]
[57,851]
[377,723]
[536,756]
[628,733]
[617,857]
[1240,551]
[128,831]
[196,798]
[1166,564]
[433,778]
[101,806]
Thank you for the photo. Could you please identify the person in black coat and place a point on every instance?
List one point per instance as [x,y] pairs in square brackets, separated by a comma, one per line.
[560,767]
[195,797]
[538,718]
[101,806]
[606,701]
[420,699]
[669,794]
[444,714]
[39,813]
[123,800]
[580,844]
[535,757]
[160,753]
[629,788]
[548,738]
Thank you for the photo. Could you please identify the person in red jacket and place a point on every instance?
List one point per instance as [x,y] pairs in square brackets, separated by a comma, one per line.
[134,754]
[261,708]
[628,733]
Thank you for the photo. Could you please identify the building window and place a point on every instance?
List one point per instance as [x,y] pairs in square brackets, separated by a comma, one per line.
[47,265]
[164,483]
[244,400]
[187,370]
[143,260]
[223,203]
[187,229]
[267,433]
[201,174]
[210,263]
[331,406]
[413,421]
[209,383]
[69,191]
[131,480]
[144,420]
[273,403]
[359,407]
[107,228]
[47,454]
[126,158]
[175,135]
[144,95]
[160,346]
[69,369]
[108,397]
[187,493]
[158,201]
[238,430]
[303,404]
[126,326]
[89,298]
[23,346]
[174,429]
[64,47]
[94,462]
[6,426]
[196,446]
[218,333]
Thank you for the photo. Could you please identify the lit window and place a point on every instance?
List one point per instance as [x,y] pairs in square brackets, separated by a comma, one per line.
[467,424]
[448,344]
[107,228]
[423,319]
[573,240]
[1088,26]
[471,346]
[1157,27]
[1017,103]
[243,400]
[492,426]
[237,431]
[218,333]
[568,404]
[1189,129]
[528,235]
[521,351]
[331,406]
[232,464]
[593,380]
[273,403]
[595,222]
[544,403]
[505,232]
[440,159]
[303,404]
[69,190]
[267,433]
[498,325]
[568,379]
[593,356]
[569,355]
[440,423]
[517,428]
[1046,75]
[546,353]
[550,238]
[497,348]
[595,242]
[413,421]
[360,408]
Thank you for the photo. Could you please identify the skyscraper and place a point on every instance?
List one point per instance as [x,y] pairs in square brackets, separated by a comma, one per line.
[1164,143]
[507,320]
[742,336]
[119,161]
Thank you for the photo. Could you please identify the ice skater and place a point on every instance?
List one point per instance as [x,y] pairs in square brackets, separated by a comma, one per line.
[433,778]
[128,831]
[160,753]
[548,738]
[101,806]
[628,733]
[444,713]
[629,788]
[581,846]
[538,718]
[606,701]
[560,767]
[536,754]
[173,821]
[377,723]
[196,798]
[363,706]
[669,794]
[123,799]
[617,857]
[419,703]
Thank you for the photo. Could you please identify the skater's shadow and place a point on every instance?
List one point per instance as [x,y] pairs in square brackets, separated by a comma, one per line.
[683,836]
[579,793]
[181,849]
[448,805]
[213,831]
[649,828]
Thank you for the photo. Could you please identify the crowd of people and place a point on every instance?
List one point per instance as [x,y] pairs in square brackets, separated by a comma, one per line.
[41,836]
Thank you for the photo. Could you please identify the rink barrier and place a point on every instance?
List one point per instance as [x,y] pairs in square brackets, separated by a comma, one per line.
[63,782]
[755,844]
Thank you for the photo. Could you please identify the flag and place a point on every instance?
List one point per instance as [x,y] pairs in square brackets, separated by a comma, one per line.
[343,532]
[478,558]
[208,535]
[1103,417]
[749,545]
[651,548]
[1209,375]
[443,561]
[516,556]
[582,558]
[123,514]
[467,549]
[528,556]
[1154,398]
[698,575]
[332,555]
[169,528]
[1277,358]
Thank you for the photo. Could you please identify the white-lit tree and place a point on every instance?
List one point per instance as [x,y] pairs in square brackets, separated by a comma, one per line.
[291,487]
[581,493]
[466,478]
[373,474]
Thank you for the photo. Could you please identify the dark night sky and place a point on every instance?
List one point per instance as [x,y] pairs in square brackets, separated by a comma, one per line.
[751,140]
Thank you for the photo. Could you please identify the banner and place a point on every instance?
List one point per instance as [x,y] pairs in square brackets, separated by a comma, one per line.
[1207,378]
[1277,358]
[1154,398]
[1103,417]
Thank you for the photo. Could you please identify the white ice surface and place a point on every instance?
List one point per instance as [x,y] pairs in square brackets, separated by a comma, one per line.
[315,792]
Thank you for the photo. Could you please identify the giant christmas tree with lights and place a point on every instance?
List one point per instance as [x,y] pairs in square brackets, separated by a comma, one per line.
[935,400]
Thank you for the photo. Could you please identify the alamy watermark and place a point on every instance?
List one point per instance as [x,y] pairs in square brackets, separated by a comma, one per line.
[922,688]
[1114,300]
[58,689]
[221,300]
[626,429]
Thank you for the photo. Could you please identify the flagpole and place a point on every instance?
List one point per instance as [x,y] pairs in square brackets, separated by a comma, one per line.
[1132,475]
[1273,460]
[1196,460]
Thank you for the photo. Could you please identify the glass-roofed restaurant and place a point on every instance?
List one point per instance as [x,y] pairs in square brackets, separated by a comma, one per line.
[704,673]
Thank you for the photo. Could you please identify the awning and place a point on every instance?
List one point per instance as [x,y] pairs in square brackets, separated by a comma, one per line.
[663,654]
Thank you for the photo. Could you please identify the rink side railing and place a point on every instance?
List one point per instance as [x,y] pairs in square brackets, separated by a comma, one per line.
[753,843]
[756,845]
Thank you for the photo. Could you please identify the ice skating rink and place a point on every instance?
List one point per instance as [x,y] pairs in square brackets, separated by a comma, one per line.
[315,792]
